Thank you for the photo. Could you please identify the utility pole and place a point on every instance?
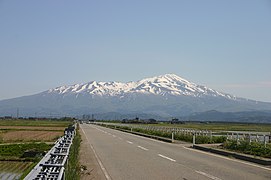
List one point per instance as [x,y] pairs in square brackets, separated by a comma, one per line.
[17,113]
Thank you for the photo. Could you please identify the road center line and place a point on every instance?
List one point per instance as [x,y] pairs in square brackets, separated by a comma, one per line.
[129,142]
[165,157]
[208,175]
[145,149]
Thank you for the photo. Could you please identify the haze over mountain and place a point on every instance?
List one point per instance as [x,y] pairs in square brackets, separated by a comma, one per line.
[165,96]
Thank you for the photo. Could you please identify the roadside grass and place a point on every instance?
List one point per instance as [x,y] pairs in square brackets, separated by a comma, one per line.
[211,126]
[72,169]
[177,136]
[253,148]
[221,126]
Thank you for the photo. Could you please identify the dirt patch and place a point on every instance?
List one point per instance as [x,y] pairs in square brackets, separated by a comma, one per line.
[33,128]
[90,169]
[24,136]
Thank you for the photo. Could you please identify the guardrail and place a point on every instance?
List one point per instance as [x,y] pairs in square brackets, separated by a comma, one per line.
[52,165]
[261,137]
[163,129]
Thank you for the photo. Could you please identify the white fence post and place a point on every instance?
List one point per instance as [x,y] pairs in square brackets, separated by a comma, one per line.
[194,139]
[264,140]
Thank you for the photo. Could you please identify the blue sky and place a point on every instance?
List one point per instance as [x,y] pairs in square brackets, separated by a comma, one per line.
[225,45]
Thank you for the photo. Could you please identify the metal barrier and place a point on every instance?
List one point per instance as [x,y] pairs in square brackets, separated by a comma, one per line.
[162,129]
[261,137]
[52,165]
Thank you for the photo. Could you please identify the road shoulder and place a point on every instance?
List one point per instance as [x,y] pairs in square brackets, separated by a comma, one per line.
[90,169]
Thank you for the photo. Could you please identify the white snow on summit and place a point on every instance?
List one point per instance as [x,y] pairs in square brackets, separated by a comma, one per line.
[168,84]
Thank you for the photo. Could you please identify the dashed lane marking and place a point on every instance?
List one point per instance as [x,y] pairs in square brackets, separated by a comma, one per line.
[145,149]
[129,142]
[165,157]
[208,175]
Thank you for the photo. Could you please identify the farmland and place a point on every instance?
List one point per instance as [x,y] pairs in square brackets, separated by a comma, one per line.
[13,170]
[24,142]
[33,136]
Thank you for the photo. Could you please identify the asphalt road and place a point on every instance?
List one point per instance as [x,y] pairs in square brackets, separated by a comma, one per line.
[124,156]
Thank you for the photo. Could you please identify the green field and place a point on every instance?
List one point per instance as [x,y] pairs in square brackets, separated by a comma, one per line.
[17,151]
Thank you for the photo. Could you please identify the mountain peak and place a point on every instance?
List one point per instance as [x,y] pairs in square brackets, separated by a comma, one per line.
[169,78]
[172,76]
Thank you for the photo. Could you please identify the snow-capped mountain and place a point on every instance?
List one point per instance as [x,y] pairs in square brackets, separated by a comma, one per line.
[169,84]
[167,96]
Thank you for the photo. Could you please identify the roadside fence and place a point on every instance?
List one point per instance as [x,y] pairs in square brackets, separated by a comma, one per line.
[262,137]
[52,165]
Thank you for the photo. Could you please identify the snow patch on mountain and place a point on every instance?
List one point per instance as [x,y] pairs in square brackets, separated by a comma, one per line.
[168,84]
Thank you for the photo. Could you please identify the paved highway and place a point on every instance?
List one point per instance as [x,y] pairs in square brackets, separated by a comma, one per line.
[124,156]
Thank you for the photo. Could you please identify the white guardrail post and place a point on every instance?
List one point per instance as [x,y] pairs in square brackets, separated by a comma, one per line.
[194,139]
[172,137]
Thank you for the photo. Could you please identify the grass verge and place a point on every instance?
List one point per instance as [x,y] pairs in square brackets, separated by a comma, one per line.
[253,148]
[177,136]
[72,169]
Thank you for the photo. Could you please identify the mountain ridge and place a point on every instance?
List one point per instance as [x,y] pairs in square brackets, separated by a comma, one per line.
[167,96]
[159,85]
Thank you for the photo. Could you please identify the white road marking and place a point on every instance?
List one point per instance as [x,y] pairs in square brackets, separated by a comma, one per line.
[223,157]
[165,157]
[129,142]
[208,175]
[97,158]
[127,133]
[145,149]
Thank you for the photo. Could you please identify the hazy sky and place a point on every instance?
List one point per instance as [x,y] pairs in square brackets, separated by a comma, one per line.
[225,45]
